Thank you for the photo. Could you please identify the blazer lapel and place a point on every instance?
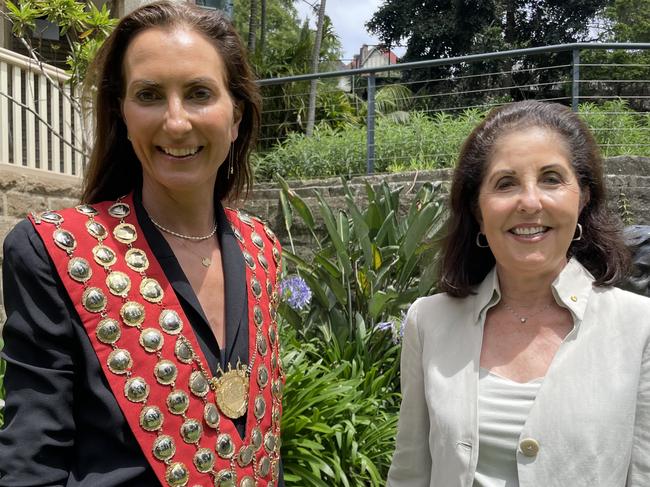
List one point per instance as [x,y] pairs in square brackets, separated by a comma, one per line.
[234,275]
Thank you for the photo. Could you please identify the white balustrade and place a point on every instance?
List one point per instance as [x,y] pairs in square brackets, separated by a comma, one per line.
[40,122]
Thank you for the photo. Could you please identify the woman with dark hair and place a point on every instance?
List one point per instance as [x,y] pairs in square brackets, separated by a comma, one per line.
[141,338]
[530,369]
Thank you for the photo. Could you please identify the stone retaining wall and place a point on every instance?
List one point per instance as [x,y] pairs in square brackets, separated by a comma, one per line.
[24,190]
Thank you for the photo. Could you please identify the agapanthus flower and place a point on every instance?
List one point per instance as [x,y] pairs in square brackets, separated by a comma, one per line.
[295,291]
[395,326]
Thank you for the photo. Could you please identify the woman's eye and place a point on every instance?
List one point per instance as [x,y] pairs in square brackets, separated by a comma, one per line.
[552,178]
[504,183]
[146,96]
[201,94]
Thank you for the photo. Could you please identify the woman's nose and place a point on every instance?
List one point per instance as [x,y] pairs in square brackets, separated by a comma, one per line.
[530,199]
[177,120]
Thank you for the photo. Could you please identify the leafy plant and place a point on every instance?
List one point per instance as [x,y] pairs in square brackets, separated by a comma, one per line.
[82,25]
[339,418]
[423,141]
[370,262]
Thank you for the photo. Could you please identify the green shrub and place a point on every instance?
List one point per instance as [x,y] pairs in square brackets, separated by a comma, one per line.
[618,129]
[339,419]
[416,140]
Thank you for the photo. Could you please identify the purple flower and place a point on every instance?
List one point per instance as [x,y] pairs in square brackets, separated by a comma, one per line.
[385,325]
[295,291]
[394,326]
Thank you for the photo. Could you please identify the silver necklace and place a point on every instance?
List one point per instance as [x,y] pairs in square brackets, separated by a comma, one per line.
[524,319]
[183,236]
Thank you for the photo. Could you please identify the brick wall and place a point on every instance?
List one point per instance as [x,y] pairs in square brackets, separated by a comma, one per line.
[23,190]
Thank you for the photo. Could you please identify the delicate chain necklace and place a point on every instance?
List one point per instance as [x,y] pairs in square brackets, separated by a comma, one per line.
[524,319]
[206,260]
[186,237]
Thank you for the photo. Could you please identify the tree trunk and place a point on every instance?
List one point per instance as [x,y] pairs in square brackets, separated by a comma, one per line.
[315,58]
[252,27]
[262,27]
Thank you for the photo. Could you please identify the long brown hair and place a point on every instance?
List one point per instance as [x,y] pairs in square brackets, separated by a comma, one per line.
[601,249]
[114,169]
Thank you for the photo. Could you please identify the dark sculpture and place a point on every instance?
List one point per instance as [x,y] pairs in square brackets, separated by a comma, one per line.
[637,238]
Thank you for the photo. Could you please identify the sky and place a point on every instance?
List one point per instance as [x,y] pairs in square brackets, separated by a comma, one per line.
[349,18]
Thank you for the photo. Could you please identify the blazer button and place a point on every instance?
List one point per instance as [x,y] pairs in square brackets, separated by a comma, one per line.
[529,447]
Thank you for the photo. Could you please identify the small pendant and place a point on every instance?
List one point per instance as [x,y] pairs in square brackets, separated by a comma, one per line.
[523,320]
[206,261]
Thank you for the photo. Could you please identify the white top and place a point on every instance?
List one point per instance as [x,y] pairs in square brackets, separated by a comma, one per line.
[503,406]
[590,424]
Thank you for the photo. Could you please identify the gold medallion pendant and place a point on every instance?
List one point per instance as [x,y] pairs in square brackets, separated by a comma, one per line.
[231,391]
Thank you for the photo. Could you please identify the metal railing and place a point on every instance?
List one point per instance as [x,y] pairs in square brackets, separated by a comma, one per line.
[568,73]
[40,128]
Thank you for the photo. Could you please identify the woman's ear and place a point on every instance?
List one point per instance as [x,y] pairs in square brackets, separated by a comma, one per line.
[238,112]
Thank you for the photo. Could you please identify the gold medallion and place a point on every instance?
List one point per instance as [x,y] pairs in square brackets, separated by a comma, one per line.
[231,392]
[151,291]
[118,283]
[86,210]
[245,217]
[238,235]
[94,300]
[79,269]
[51,217]
[261,258]
[204,460]
[64,239]
[137,260]
[151,418]
[125,233]
[119,210]
[177,475]
[257,240]
[96,229]
[104,256]
[269,233]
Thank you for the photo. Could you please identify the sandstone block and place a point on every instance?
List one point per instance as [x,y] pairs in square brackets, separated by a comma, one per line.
[19,204]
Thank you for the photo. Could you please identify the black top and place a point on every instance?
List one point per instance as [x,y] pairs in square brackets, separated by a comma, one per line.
[63,426]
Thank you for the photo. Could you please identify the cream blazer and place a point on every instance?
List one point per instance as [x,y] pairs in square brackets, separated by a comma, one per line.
[590,423]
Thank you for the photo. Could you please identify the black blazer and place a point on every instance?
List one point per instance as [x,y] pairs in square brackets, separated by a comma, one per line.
[63,426]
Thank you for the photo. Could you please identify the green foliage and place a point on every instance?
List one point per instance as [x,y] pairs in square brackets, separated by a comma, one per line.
[420,142]
[445,29]
[435,29]
[287,51]
[627,21]
[428,142]
[371,260]
[618,129]
[340,416]
[630,20]
[83,26]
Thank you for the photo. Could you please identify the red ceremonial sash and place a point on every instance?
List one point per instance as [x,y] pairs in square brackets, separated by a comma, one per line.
[150,356]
